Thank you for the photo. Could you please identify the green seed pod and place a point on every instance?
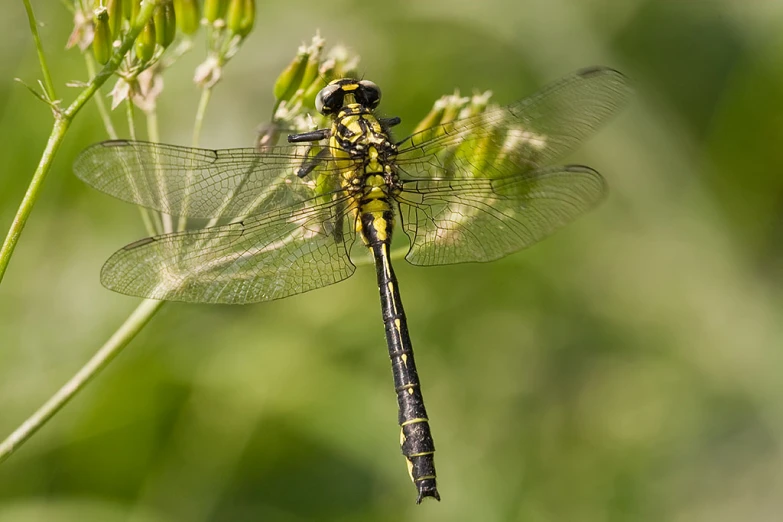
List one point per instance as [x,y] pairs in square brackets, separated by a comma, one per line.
[433,118]
[289,80]
[325,75]
[345,63]
[310,73]
[215,10]
[234,14]
[249,18]
[145,43]
[134,9]
[188,16]
[308,97]
[101,42]
[453,105]
[115,10]
[478,103]
[165,24]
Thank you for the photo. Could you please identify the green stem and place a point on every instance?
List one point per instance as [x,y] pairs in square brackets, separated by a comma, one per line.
[102,110]
[130,119]
[146,215]
[132,326]
[153,135]
[48,85]
[31,196]
[203,102]
[206,94]
[61,124]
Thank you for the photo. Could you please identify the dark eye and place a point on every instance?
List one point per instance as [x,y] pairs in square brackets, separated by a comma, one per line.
[329,99]
[368,94]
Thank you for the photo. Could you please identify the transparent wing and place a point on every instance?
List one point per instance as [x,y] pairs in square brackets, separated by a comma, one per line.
[521,137]
[199,183]
[264,257]
[457,221]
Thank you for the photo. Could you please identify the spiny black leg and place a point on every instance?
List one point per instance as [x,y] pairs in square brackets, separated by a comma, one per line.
[317,135]
[389,122]
[309,164]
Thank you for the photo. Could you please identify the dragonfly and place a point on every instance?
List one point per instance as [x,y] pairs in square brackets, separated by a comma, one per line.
[284,220]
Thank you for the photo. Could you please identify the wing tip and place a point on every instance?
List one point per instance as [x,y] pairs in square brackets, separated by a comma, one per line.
[597,177]
[598,70]
[620,81]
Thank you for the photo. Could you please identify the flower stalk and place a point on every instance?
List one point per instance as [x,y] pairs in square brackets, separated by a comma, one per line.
[62,121]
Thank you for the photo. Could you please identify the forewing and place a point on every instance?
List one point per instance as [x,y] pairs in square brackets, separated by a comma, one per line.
[198,183]
[265,257]
[521,137]
[476,220]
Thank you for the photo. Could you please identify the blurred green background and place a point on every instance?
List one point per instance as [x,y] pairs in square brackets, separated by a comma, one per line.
[628,369]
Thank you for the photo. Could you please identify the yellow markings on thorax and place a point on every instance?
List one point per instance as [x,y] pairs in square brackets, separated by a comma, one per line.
[358,134]
[373,165]
[352,123]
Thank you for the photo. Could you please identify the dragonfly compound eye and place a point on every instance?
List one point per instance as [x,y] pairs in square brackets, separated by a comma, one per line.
[368,94]
[329,99]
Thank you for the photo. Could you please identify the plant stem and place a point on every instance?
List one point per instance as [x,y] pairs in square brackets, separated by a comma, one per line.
[132,325]
[146,215]
[61,123]
[31,196]
[153,134]
[206,93]
[48,85]
[102,110]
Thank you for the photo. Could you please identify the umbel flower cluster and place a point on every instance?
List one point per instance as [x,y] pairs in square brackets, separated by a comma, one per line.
[102,25]
[160,39]
[297,86]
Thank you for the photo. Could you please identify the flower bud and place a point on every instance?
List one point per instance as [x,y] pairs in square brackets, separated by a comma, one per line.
[310,73]
[454,104]
[135,9]
[234,14]
[145,43]
[240,16]
[433,118]
[215,10]
[345,64]
[115,10]
[289,80]
[101,41]
[325,75]
[127,9]
[478,104]
[165,24]
[249,18]
[188,16]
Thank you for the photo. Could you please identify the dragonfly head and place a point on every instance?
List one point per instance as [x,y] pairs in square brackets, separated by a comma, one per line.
[340,93]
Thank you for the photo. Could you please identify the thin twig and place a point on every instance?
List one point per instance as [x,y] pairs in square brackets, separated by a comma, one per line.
[102,110]
[48,84]
[62,122]
[146,215]
[153,135]
[135,322]
[203,102]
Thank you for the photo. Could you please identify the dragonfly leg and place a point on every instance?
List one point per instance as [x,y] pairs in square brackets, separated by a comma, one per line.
[317,135]
[388,123]
[309,164]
